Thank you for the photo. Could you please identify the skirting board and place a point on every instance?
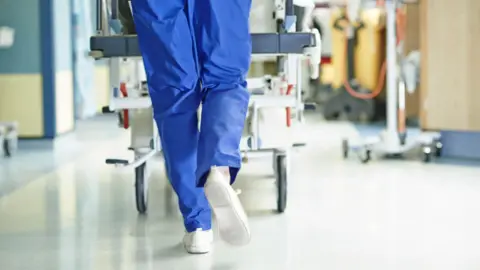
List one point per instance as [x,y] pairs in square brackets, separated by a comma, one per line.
[461,144]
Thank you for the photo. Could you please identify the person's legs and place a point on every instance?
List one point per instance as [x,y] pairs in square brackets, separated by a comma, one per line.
[224,49]
[167,47]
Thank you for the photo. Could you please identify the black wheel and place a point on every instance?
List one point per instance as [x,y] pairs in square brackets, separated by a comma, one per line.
[120,120]
[438,148]
[427,154]
[152,144]
[366,157]
[7,149]
[345,148]
[141,188]
[281,163]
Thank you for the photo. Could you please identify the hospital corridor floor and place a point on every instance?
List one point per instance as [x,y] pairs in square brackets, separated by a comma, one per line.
[66,209]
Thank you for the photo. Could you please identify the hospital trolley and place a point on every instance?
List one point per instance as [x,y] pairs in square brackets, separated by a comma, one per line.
[129,97]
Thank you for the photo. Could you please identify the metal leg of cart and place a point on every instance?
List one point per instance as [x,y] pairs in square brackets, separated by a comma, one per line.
[145,143]
[254,141]
[281,163]
[9,138]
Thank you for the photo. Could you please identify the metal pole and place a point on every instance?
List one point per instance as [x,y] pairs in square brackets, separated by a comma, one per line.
[114,7]
[114,76]
[298,89]
[100,25]
[102,18]
[289,8]
[392,97]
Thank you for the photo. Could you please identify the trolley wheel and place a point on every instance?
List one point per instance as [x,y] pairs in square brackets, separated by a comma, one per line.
[281,166]
[437,144]
[152,143]
[345,148]
[121,121]
[427,154]
[365,156]
[141,188]
[7,148]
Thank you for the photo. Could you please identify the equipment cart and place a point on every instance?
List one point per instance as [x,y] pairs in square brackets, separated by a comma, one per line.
[393,140]
[130,97]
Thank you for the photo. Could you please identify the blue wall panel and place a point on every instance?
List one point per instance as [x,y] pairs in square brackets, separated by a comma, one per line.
[47,22]
[56,48]
[24,56]
[457,144]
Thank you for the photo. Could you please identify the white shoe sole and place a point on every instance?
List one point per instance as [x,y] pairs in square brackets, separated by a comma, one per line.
[197,250]
[231,218]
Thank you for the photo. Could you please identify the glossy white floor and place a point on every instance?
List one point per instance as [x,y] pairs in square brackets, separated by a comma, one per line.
[341,214]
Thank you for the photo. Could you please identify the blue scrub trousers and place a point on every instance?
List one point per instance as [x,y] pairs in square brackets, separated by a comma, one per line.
[196,52]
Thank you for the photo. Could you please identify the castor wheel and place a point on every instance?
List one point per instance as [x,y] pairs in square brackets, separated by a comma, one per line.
[152,143]
[365,155]
[141,188]
[281,175]
[427,154]
[6,148]
[9,147]
[121,120]
[345,148]
[437,144]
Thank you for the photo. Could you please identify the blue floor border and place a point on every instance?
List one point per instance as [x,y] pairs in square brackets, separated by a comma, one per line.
[461,144]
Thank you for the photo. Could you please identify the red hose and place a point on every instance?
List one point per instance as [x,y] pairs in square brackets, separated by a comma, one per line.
[289,110]
[124,92]
[401,26]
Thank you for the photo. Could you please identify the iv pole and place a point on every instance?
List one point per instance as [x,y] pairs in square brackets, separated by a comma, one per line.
[391,142]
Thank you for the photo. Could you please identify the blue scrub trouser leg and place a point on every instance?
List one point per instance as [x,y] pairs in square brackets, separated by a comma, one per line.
[224,49]
[167,45]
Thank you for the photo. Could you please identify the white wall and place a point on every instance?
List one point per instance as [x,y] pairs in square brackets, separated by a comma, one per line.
[261,20]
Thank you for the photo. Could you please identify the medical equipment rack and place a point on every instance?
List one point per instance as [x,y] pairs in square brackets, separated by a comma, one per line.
[137,105]
[390,142]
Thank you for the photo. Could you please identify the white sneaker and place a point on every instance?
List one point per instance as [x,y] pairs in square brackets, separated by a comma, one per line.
[231,218]
[198,242]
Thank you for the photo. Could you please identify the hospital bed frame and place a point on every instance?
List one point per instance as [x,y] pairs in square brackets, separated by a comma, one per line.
[145,143]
